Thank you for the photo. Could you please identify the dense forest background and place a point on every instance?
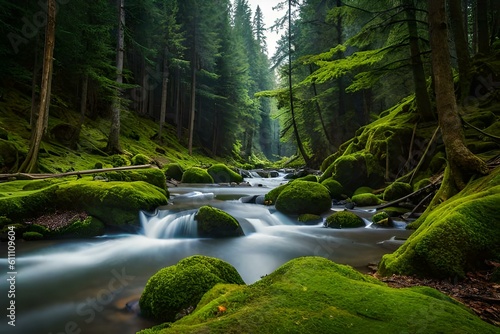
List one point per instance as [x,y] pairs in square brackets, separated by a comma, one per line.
[203,67]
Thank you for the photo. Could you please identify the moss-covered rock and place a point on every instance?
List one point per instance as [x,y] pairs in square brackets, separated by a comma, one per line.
[272,195]
[222,174]
[152,176]
[363,190]
[32,236]
[215,223]
[334,187]
[366,199]
[196,175]
[382,219]
[455,237]
[421,184]
[309,219]
[438,163]
[140,159]
[315,295]
[397,190]
[304,197]
[178,287]
[309,178]
[344,219]
[173,171]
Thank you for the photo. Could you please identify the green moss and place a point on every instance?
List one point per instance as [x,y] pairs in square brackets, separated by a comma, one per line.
[309,218]
[395,211]
[309,178]
[215,223]
[315,295]
[367,199]
[455,237]
[304,197]
[32,236]
[118,161]
[438,163]
[421,184]
[272,195]
[363,190]
[173,171]
[397,190]
[334,188]
[330,160]
[196,175]
[222,174]
[9,156]
[152,176]
[175,288]
[140,159]
[344,219]
[382,218]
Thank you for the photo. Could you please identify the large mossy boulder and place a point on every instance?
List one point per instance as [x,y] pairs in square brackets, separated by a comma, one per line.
[114,203]
[454,238]
[196,175]
[272,195]
[304,197]
[152,176]
[216,223]
[366,199]
[334,187]
[179,287]
[315,295]
[222,174]
[344,219]
[397,190]
[173,171]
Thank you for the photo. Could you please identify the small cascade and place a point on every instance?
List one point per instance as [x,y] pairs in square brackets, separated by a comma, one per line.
[168,225]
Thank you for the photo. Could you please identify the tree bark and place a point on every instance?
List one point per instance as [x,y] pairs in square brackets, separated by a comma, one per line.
[114,135]
[290,87]
[461,47]
[30,164]
[163,109]
[462,162]
[422,96]
[483,36]
[193,104]
[34,80]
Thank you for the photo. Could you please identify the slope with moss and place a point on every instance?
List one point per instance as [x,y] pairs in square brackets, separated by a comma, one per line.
[315,295]
[455,237]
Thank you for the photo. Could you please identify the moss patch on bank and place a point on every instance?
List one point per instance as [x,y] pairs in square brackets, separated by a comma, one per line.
[315,295]
[455,237]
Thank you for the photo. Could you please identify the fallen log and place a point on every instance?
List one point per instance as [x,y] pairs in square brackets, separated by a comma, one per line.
[26,176]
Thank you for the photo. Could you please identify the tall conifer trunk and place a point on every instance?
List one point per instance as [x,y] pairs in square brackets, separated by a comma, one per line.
[114,135]
[30,164]
[461,161]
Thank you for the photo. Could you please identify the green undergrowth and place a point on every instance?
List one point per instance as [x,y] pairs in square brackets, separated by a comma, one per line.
[455,237]
[315,295]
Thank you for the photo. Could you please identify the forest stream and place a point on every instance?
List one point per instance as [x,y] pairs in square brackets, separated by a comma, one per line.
[86,284]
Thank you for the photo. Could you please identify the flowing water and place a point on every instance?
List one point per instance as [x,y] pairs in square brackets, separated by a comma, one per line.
[83,286]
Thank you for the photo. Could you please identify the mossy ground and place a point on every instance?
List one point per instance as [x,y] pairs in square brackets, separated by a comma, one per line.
[315,295]
[455,237]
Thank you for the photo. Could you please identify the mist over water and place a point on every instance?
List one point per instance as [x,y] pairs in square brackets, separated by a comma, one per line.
[85,284]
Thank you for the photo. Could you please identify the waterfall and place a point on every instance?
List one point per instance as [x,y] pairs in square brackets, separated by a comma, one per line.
[167,225]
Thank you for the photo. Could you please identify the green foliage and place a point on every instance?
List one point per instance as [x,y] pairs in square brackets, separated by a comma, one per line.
[173,171]
[397,190]
[454,238]
[303,197]
[222,174]
[344,219]
[366,199]
[140,159]
[196,175]
[316,295]
[215,223]
[334,187]
[175,288]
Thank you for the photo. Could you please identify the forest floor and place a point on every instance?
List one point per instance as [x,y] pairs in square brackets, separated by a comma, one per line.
[477,291]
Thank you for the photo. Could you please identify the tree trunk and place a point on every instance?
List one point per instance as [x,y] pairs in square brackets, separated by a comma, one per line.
[461,161]
[193,104]
[465,20]
[290,87]
[34,80]
[114,135]
[163,109]
[178,109]
[422,96]
[483,36]
[495,30]
[30,164]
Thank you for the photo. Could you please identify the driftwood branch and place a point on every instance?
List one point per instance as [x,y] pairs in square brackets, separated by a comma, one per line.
[26,176]
[395,202]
